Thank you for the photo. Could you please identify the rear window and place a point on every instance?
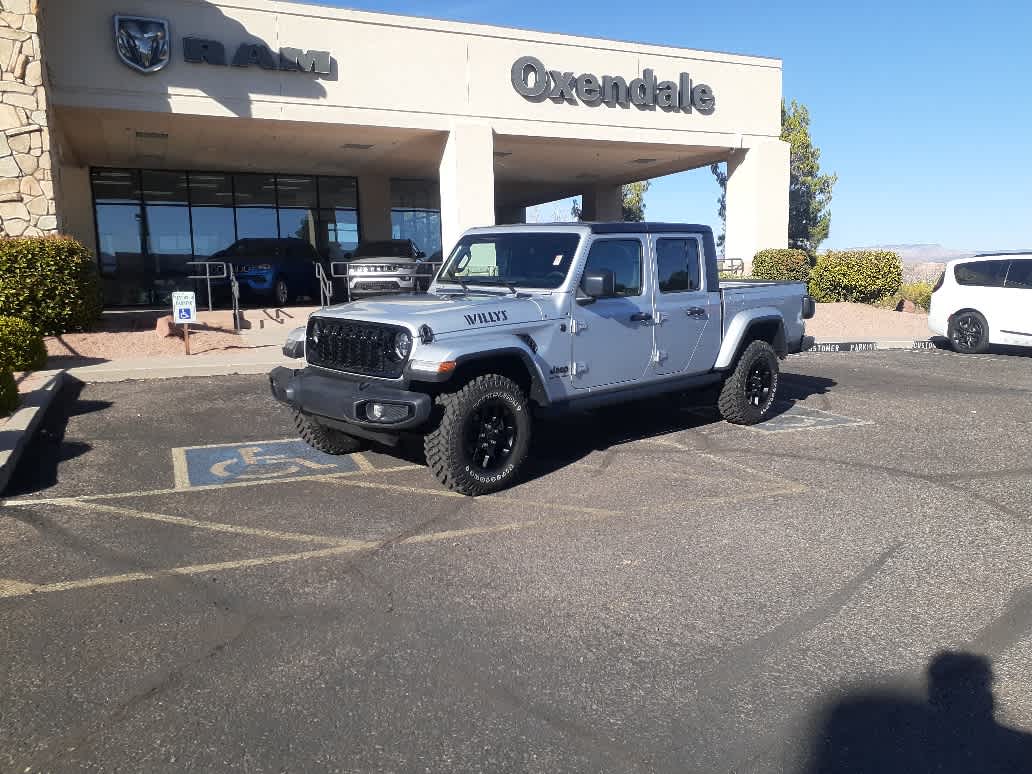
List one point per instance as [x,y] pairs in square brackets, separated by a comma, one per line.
[988,274]
[1020,275]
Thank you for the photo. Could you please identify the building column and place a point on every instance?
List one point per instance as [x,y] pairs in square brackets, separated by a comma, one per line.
[602,203]
[28,168]
[467,182]
[374,207]
[757,200]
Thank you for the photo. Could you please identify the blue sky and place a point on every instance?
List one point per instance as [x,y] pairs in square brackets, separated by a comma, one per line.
[923,109]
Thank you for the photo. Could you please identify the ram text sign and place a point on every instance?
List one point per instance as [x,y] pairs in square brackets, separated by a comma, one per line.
[532,80]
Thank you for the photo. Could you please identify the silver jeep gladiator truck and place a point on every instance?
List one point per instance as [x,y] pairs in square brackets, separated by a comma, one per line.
[531,320]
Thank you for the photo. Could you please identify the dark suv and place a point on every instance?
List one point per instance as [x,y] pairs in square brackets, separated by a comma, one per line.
[279,270]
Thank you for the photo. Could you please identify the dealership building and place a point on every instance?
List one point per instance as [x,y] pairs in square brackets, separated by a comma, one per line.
[159,132]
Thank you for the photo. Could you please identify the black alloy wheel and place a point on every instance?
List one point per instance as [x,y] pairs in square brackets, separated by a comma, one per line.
[759,383]
[969,333]
[490,435]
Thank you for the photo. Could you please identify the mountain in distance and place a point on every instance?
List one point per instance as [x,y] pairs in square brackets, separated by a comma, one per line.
[925,253]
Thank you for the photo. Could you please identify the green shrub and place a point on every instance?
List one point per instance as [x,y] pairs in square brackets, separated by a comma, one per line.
[918,292]
[781,265]
[50,282]
[21,347]
[861,276]
[8,391]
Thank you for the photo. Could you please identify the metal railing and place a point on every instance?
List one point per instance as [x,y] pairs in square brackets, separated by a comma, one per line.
[224,271]
[325,285]
[208,276]
[734,266]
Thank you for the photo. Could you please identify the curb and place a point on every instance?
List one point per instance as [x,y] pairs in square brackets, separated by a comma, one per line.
[21,426]
[871,346]
[113,372]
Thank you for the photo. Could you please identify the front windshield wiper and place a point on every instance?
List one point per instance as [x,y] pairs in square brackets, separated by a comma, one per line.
[457,281]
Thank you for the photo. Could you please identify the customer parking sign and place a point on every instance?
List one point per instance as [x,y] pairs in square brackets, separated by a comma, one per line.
[184,307]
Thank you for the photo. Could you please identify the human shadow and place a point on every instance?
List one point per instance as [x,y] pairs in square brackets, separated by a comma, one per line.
[38,468]
[952,729]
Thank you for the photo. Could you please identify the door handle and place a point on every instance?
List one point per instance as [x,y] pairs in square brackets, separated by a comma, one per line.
[641,317]
[695,311]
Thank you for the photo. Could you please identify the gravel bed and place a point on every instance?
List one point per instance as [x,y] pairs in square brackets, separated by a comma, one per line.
[859,322]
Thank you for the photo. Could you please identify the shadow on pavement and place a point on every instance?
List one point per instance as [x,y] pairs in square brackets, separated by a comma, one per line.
[39,464]
[951,730]
[565,440]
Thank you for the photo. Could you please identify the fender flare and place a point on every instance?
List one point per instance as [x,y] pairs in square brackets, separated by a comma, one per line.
[739,328]
[538,393]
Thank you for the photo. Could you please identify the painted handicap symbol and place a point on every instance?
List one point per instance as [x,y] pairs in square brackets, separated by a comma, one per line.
[228,463]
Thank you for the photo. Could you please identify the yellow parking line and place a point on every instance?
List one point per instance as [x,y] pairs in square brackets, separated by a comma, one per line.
[15,588]
[364,465]
[557,506]
[213,526]
[26,589]
[201,488]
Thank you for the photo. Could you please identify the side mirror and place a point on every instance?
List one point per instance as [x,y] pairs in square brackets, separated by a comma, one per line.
[599,285]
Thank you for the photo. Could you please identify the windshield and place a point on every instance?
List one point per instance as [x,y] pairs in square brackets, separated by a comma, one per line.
[384,250]
[520,260]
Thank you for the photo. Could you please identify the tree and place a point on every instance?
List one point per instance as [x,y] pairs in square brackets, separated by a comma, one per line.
[633,202]
[719,170]
[809,192]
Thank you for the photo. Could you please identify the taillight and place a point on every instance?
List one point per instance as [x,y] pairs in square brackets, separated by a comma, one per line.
[938,282]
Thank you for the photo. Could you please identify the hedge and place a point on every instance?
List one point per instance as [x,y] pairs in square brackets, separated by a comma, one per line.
[8,391]
[21,345]
[918,292]
[50,282]
[861,276]
[781,265]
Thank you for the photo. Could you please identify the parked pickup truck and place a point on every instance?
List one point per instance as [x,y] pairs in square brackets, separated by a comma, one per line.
[532,320]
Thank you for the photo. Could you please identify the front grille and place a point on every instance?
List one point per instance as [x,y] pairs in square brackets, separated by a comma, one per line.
[377,286]
[357,347]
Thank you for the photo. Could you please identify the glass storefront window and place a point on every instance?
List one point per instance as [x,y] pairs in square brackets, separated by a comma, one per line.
[162,186]
[338,235]
[213,230]
[297,223]
[211,188]
[256,222]
[296,191]
[421,226]
[255,190]
[416,213]
[116,186]
[152,223]
[338,192]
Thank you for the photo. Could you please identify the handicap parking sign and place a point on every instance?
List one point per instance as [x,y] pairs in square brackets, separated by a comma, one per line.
[184,307]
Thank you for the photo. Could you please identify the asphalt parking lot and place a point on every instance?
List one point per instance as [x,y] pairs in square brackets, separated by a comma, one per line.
[183,587]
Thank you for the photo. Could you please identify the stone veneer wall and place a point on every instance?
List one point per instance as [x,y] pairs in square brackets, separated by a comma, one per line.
[27,168]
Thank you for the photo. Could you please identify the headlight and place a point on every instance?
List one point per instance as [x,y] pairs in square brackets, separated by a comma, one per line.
[402,344]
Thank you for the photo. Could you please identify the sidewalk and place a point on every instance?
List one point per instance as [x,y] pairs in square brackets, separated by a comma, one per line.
[244,361]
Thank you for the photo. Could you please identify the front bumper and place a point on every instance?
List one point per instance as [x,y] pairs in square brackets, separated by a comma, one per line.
[348,402]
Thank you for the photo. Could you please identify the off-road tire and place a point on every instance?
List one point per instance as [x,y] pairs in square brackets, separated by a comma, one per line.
[325,439]
[444,447]
[734,403]
[977,342]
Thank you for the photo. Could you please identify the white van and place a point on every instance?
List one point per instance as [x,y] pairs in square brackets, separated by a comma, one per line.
[984,300]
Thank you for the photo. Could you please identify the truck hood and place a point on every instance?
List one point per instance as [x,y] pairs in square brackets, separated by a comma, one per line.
[444,314]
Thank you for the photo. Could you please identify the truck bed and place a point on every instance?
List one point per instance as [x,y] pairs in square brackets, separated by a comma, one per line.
[756,296]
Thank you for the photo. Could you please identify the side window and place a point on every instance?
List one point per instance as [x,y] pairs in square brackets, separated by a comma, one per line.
[623,258]
[1020,275]
[677,264]
[987,274]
